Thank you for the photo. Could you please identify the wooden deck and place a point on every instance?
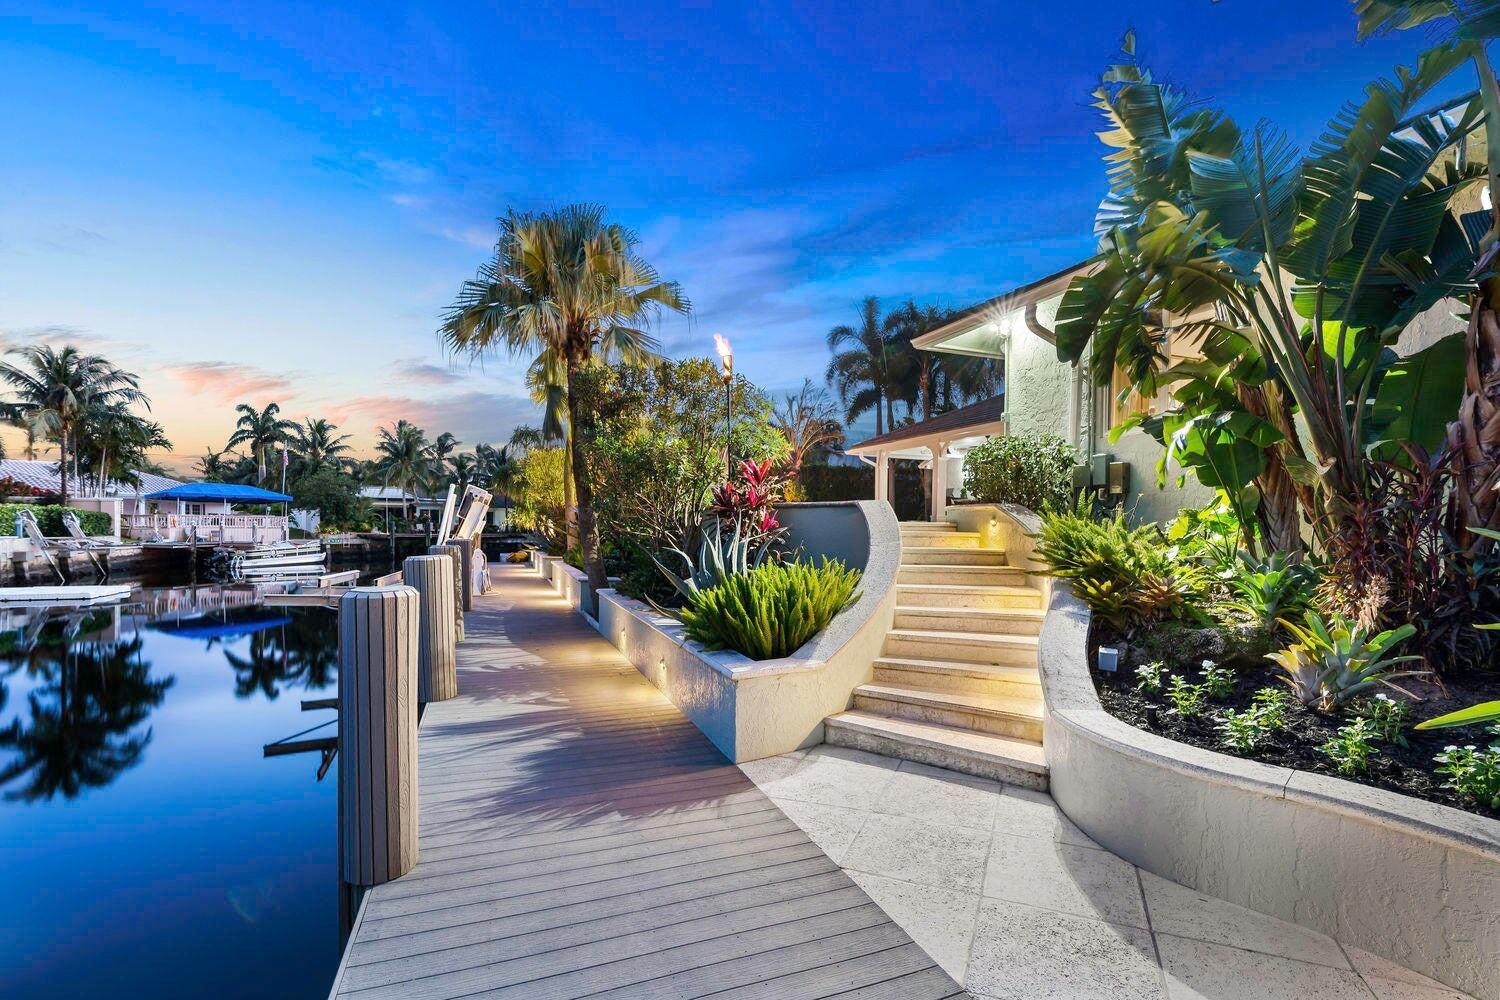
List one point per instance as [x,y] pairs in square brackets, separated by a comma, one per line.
[579,837]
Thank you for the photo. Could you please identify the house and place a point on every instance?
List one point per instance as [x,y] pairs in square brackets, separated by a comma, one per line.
[1042,395]
[115,498]
[210,513]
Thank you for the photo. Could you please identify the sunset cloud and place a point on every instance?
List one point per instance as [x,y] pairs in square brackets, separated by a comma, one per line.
[423,372]
[229,381]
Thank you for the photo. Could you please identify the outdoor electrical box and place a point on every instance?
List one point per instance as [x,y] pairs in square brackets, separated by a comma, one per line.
[1119,478]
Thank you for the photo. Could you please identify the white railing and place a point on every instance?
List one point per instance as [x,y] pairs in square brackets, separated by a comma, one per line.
[206,527]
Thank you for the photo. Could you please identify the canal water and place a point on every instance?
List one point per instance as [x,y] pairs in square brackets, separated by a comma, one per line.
[147,848]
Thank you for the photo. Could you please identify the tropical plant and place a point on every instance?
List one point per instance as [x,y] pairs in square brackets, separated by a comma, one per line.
[570,283]
[330,491]
[737,536]
[114,444]
[809,422]
[1242,732]
[462,468]
[262,431]
[1149,677]
[1351,748]
[1189,701]
[1218,682]
[1472,773]
[1272,588]
[1274,705]
[538,495]
[771,610]
[1335,661]
[1034,471]
[444,445]
[1202,229]
[1388,717]
[867,366]
[1474,715]
[316,444]
[404,459]
[55,390]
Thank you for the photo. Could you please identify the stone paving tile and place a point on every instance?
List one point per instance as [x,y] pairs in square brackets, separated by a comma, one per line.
[1197,970]
[1078,880]
[941,921]
[1180,911]
[832,776]
[923,792]
[1022,812]
[1394,982]
[1026,953]
[832,828]
[925,852]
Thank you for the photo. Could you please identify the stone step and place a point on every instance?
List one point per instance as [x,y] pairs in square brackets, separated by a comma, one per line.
[968,647]
[1006,621]
[948,595]
[1018,718]
[979,576]
[955,675]
[919,526]
[941,539]
[947,555]
[1015,762]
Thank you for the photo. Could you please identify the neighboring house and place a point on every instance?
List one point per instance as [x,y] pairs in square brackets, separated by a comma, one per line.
[1042,395]
[117,499]
[395,500]
[206,513]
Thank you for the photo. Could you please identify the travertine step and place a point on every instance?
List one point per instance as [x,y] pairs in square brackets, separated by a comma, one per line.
[955,675]
[949,595]
[1009,621]
[969,647]
[927,526]
[947,555]
[941,539]
[1018,718]
[1016,762]
[975,576]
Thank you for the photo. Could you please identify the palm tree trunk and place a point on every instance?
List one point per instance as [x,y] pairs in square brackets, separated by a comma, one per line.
[580,421]
[569,526]
[1474,438]
[62,465]
[879,413]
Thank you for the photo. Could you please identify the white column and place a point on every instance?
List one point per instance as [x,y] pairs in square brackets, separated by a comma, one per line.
[939,480]
[882,476]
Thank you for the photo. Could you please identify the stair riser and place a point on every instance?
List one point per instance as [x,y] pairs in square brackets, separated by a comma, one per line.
[980,600]
[999,725]
[943,680]
[949,540]
[1006,625]
[963,576]
[953,760]
[962,652]
[955,557]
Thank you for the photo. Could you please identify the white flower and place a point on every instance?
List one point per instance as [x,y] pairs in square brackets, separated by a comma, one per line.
[1208,664]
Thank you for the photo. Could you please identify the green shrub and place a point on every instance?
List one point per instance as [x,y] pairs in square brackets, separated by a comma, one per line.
[1241,732]
[1218,682]
[1273,705]
[1472,773]
[1351,747]
[1389,717]
[1150,677]
[49,519]
[1033,471]
[771,610]
[1188,700]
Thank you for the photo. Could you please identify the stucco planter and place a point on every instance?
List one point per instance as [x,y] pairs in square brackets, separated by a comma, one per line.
[1410,880]
[569,582]
[751,709]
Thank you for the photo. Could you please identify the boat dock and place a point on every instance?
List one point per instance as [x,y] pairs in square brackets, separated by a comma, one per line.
[60,597]
[579,837]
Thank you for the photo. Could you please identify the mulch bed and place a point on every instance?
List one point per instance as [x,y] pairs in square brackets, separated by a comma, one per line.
[1407,770]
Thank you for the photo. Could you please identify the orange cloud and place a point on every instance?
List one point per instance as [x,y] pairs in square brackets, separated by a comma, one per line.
[229,381]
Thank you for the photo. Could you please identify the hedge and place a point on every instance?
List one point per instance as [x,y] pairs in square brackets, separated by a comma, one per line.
[49,519]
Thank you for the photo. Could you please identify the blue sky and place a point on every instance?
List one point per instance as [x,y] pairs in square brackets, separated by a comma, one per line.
[269,201]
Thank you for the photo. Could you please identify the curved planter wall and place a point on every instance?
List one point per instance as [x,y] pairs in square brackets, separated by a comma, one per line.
[752,709]
[1413,881]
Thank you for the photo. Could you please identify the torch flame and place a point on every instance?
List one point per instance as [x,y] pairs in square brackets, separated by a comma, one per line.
[721,344]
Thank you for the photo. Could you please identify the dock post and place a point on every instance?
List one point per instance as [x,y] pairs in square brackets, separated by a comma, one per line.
[437,660]
[378,732]
[463,550]
[455,560]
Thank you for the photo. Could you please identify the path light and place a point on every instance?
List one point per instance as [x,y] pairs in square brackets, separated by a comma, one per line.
[726,359]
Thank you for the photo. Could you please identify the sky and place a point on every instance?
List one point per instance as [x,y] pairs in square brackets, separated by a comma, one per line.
[275,202]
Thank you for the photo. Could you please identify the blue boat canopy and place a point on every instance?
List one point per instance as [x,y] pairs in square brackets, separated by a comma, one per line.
[219,493]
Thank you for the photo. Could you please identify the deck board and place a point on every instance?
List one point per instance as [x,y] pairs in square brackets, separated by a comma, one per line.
[579,837]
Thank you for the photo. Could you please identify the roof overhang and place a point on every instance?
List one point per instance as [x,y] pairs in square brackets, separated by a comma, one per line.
[958,429]
[981,330]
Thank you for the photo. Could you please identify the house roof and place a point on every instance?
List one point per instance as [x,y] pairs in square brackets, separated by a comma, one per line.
[1009,301]
[219,493]
[42,475]
[976,415]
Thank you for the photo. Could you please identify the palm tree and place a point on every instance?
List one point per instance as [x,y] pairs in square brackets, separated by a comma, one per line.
[212,466]
[317,446]
[463,468]
[570,283]
[404,459]
[865,373]
[444,445]
[807,421]
[113,443]
[525,437]
[261,430]
[55,390]
[934,383]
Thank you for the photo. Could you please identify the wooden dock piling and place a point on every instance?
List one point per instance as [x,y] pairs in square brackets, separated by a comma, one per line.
[456,564]
[437,665]
[463,554]
[378,640]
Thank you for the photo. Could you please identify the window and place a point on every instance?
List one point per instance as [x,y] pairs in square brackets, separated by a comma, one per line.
[193,508]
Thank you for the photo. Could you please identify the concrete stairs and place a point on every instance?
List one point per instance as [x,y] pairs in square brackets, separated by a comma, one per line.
[956,685]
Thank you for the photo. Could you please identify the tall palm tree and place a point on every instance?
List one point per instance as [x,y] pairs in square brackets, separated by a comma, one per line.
[865,367]
[444,445]
[54,390]
[807,421]
[463,468]
[404,459]
[568,282]
[212,466]
[261,430]
[316,444]
[114,444]
[525,437]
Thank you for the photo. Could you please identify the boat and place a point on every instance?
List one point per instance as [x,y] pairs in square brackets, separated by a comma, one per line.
[277,557]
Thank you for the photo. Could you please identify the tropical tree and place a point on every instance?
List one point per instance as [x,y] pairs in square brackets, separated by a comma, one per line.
[571,283]
[808,421]
[261,431]
[526,437]
[1294,277]
[404,459]
[444,445]
[932,383]
[462,467]
[55,389]
[115,444]
[316,445]
[867,366]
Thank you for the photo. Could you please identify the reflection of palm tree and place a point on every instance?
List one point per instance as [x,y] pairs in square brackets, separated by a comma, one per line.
[81,722]
[304,652]
[261,669]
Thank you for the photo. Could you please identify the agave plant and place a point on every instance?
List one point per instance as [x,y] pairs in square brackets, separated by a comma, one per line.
[1333,662]
[737,535]
[1271,589]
